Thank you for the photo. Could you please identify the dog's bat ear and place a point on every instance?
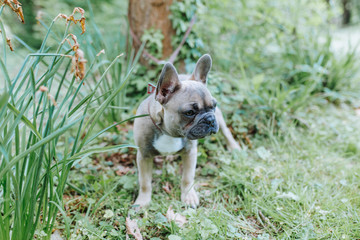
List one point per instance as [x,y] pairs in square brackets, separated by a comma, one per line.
[202,69]
[168,83]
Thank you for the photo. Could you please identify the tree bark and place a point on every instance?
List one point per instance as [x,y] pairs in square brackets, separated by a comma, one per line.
[30,22]
[346,17]
[146,14]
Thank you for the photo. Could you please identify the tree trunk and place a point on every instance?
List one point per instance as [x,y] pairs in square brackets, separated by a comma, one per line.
[30,22]
[346,17]
[146,14]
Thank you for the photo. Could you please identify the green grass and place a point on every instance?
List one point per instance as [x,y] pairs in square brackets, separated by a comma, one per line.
[298,183]
[287,97]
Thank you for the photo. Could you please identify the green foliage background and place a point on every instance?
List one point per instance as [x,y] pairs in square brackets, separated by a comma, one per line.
[287,94]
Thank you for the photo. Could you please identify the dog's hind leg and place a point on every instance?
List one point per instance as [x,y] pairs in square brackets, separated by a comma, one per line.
[231,142]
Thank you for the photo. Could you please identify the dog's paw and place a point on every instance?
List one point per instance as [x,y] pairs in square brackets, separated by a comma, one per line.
[142,200]
[234,146]
[190,198]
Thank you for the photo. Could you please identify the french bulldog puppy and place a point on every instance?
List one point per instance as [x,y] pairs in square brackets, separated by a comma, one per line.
[181,111]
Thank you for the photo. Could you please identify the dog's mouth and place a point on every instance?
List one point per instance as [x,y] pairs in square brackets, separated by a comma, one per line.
[202,130]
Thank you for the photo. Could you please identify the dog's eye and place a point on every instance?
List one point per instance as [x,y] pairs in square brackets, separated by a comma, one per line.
[190,113]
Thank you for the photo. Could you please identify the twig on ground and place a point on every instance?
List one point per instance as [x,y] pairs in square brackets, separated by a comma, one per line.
[265,219]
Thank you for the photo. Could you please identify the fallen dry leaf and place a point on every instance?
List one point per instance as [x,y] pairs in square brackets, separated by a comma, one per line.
[167,188]
[125,159]
[122,170]
[247,140]
[179,219]
[159,160]
[171,158]
[133,229]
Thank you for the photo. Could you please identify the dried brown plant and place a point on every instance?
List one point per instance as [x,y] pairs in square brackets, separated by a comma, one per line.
[78,60]
[15,6]
[71,18]
[8,41]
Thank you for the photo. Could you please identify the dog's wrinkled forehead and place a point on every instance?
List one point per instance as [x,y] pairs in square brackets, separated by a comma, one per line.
[194,92]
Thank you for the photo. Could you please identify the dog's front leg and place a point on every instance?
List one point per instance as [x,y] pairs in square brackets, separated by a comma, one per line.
[145,175]
[189,158]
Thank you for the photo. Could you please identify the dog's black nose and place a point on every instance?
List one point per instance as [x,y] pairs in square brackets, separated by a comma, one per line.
[210,120]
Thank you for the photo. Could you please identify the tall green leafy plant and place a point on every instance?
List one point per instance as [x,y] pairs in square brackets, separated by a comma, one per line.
[48,120]
[109,45]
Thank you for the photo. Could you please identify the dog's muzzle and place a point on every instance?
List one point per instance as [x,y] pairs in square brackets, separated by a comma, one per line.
[205,126]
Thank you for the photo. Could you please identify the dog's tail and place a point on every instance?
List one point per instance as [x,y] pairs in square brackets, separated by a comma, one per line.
[231,142]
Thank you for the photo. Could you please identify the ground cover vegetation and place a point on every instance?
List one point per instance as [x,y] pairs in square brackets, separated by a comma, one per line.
[67,99]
